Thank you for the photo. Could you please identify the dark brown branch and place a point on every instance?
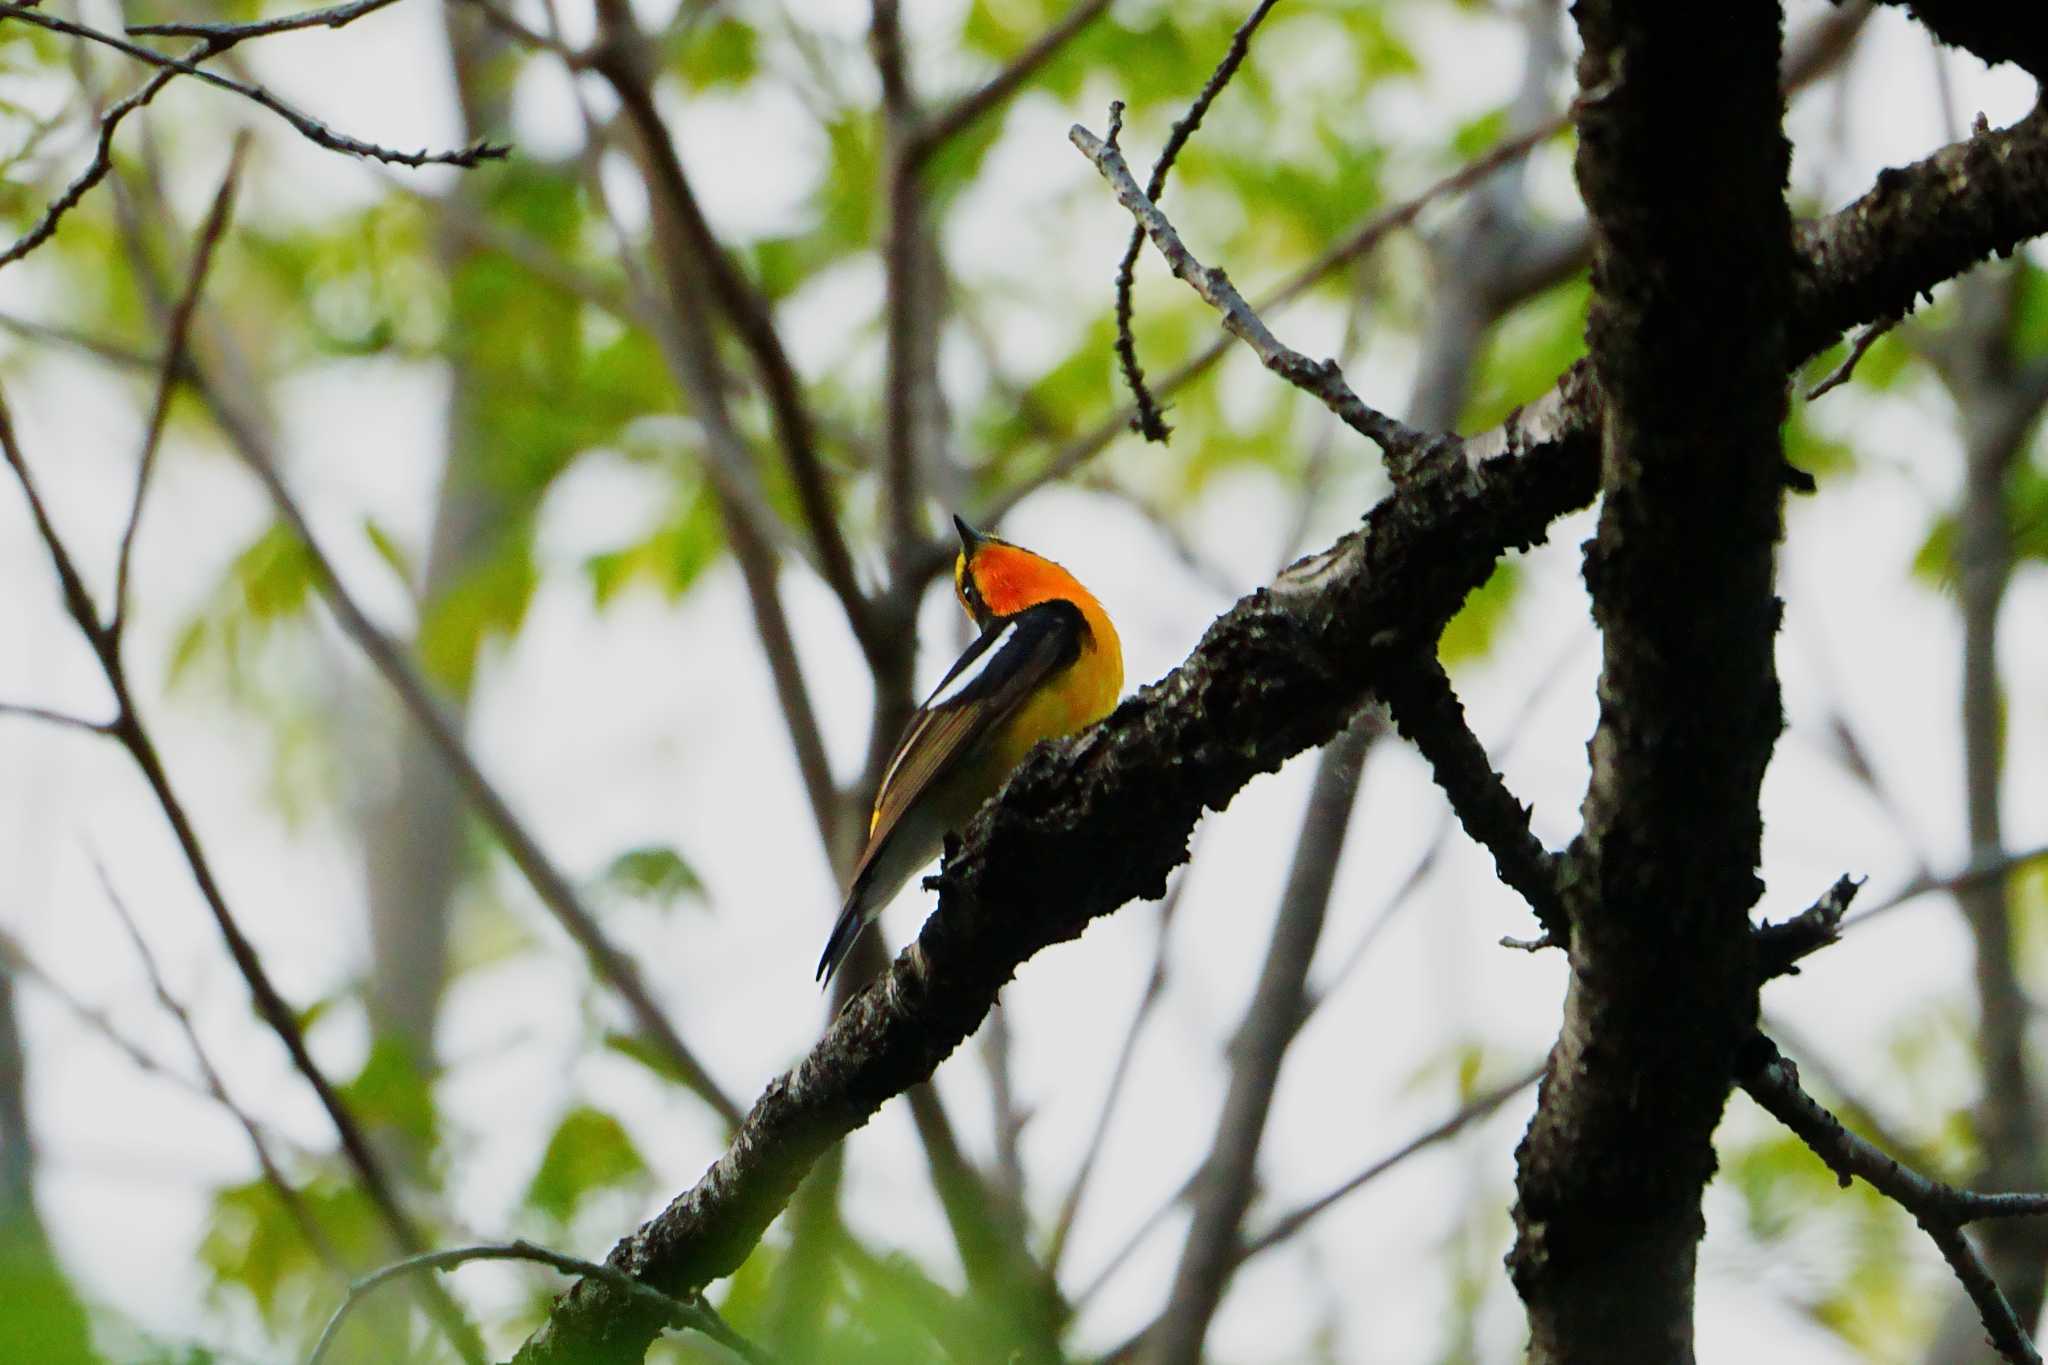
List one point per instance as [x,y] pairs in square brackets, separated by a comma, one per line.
[1430,717]
[621,57]
[940,128]
[1992,29]
[1148,422]
[1405,447]
[307,127]
[1942,1210]
[1089,824]
[224,36]
[1677,110]
[169,371]
[1781,946]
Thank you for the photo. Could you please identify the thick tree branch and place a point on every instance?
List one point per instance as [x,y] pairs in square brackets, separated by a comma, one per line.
[1088,824]
[1682,163]
[1992,29]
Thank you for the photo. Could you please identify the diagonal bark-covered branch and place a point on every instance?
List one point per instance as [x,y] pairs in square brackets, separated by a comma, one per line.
[1682,164]
[1088,824]
[1996,30]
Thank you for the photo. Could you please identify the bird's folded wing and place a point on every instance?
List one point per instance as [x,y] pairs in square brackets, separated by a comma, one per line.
[998,674]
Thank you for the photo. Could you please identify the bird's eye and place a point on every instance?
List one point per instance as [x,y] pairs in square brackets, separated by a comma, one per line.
[968,591]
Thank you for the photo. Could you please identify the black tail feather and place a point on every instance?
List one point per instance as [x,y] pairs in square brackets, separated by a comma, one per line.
[844,934]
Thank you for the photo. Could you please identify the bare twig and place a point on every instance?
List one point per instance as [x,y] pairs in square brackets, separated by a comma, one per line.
[169,371]
[1478,1107]
[1840,374]
[97,1021]
[1780,946]
[308,127]
[1148,1000]
[1942,1210]
[1977,872]
[1221,1191]
[1148,421]
[287,1193]
[1406,448]
[1430,716]
[503,20]
[1287,1225]
[622,59]
[942,127]
[127,729]
[25,711]
[692,1313]
[224,36]
[102,161]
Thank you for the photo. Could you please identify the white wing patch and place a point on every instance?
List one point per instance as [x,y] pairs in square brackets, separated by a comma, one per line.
[951,689]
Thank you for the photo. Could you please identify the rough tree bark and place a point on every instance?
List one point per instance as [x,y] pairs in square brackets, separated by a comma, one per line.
[1682,166]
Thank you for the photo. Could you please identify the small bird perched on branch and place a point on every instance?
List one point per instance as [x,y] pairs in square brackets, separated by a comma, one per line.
[1048,663]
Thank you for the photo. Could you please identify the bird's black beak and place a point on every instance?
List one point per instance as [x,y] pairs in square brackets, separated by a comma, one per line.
[970,539]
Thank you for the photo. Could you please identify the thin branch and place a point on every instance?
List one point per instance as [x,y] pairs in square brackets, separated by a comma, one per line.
[1840,374]
[1780,946]
[1820,49]
[1977,872]
[102,161]
[1287,1225]
[1478,1107]
[503,20]
[1430,716]
[693,1313]
[308,127]
[1148,1000]
[942,127]
[1942,1210]
[127,729]
[1148,421]
[1221,1191]
[169,370]
[622,59]
[25,711]
[100,1024]
[1406,448]
[224,36]
[909,316]
[547,880]
[287,1193]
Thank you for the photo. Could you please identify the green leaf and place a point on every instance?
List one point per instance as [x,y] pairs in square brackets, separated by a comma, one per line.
[654,873]
[491,599]
[588,1152]
[393,1092]
[254,1244]
[389,550]
[720,52]
[669,559]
